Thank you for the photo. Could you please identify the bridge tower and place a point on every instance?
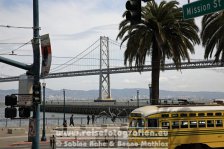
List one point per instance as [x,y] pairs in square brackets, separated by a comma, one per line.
[104,80]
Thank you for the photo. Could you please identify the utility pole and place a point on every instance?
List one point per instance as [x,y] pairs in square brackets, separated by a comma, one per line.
[36,72]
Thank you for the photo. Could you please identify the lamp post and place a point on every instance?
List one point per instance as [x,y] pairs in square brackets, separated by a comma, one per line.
[150,93]
[43,138]
[138,98]
[64,104]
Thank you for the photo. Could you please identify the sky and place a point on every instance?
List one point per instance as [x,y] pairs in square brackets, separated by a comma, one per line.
[73,25]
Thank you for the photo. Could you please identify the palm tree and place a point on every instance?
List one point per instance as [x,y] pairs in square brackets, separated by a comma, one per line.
[162,34]
[212,35]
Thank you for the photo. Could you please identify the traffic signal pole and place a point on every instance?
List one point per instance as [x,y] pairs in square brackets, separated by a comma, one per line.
[36,71]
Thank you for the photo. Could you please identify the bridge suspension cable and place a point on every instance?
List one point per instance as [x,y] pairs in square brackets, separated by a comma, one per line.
[62,66]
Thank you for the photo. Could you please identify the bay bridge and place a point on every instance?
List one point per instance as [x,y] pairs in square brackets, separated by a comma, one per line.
[104,57]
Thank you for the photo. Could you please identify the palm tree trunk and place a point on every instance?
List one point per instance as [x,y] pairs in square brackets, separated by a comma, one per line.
[155,74]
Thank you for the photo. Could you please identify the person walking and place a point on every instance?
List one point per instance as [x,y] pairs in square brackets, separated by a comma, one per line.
[88,119]
[71,121]
[93,119]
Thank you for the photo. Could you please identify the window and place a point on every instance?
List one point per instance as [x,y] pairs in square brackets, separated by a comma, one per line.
[209,114]
[140,123]
[137,123]
[218,123]
[183,115]
[201,114]
[132,123]
[165,115]
[192,114]
[152,123]
[193,124]
[174,115]
[210,123]
[184,124]
[201,124]
[166,124]
[175,124]
[218,114]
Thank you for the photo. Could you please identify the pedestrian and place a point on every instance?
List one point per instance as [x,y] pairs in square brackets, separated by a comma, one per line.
[65,126]
[93,119]
[88,119]
[71,121]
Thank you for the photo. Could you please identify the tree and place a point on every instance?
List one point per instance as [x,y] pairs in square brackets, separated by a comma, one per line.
[212,35]
[162,34]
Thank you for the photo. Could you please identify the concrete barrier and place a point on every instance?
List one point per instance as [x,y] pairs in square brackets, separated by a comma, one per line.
[124,124]
[16,130]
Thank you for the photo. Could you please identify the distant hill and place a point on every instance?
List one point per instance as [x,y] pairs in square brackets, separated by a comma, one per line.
[120,94]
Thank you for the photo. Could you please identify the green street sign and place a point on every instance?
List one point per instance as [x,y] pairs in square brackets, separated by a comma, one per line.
[202,7]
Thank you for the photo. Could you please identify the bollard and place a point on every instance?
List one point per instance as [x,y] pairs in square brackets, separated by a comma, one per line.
[6,123]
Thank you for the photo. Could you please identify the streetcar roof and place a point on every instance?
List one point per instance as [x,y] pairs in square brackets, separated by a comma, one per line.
[149,110]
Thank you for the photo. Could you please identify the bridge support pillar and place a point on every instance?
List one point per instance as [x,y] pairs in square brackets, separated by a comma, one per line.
[104,80]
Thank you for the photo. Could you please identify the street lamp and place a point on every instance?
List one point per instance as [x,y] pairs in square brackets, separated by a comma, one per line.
[138,98]
[64,104]
[43,138]
[150,93]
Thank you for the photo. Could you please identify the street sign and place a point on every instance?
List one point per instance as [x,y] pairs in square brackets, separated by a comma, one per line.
[46,54]
[202,7]
[25,97]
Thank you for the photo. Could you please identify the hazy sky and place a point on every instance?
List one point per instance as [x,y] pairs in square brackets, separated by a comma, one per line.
[73,25]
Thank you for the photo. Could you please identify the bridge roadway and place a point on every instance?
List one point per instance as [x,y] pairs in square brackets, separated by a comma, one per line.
[170,66]
[121,108]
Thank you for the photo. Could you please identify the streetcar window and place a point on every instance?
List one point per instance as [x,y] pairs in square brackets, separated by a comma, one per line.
[210,123]
[132,123]
[140,123]
[152,123]
[193,124]
[165,115]
[209,114]
[175,124]
[166,124]
[137,123]
[201,123]
[183,115]
[192,114]
[201,114]
[218,114]
[174,115]
[218,123]
[184,124]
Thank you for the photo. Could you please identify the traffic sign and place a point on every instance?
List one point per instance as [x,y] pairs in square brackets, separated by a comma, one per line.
[25,90]
[202,7]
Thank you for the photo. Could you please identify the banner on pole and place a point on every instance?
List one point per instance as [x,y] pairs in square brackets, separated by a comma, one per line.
[46,54]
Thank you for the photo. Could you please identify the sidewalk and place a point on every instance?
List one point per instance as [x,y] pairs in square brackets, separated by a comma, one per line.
[19,138]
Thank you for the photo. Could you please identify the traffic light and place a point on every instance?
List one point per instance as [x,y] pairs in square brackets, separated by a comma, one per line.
[10,112]
[10,100]
[24,112]
[133,13]
[37,93]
